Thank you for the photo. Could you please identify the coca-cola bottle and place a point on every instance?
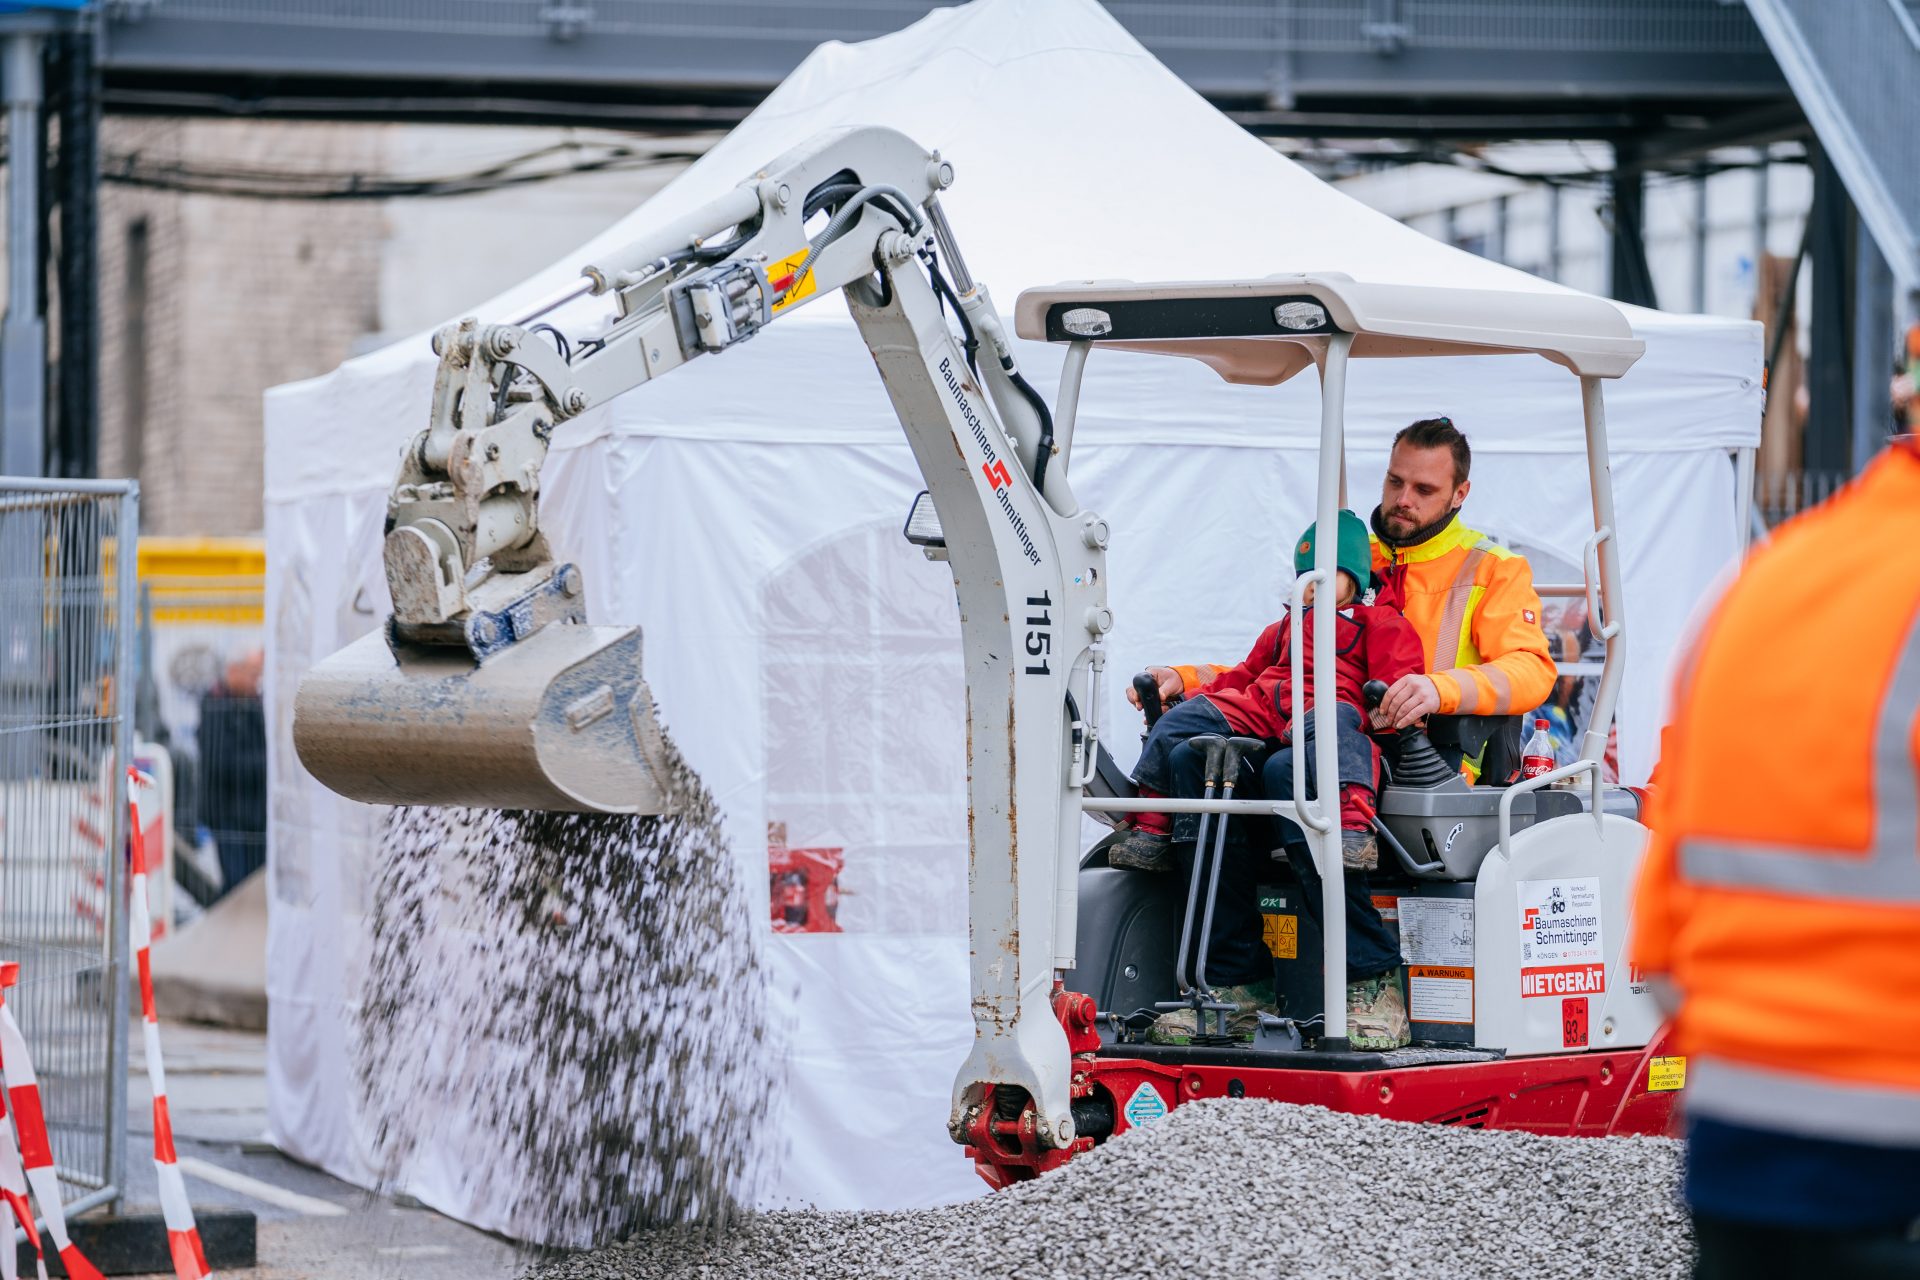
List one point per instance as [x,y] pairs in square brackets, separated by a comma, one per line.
[1537,757]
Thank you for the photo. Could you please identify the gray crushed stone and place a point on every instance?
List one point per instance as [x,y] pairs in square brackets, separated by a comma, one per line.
[1240,1189]
[610,1069]
[1424,1055]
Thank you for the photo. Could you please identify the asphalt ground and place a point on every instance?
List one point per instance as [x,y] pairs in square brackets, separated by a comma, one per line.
[312,1226]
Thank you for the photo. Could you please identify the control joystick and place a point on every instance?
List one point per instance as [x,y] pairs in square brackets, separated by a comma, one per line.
[1416,762]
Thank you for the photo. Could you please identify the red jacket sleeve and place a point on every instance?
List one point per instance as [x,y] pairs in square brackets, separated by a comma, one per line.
[1257,661]
[1393,647]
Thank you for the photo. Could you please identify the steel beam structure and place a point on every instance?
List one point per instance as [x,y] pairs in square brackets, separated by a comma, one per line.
[1494,69]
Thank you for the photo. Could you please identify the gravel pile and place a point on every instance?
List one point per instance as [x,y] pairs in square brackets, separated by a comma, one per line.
[609,1071]
[1240,1189]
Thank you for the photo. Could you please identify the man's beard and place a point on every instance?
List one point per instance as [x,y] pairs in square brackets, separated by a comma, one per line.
[1401,523]
[1400,531]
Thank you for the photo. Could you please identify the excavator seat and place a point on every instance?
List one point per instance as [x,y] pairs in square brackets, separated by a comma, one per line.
[1110,782]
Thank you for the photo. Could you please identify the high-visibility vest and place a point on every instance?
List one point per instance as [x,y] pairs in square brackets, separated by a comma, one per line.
[1473,604]
[1781,888]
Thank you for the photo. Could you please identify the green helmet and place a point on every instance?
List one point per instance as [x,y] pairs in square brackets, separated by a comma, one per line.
[1354,555]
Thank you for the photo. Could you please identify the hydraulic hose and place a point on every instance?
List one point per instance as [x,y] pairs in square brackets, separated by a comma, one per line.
[897,203]
[970,341]
[1044,450]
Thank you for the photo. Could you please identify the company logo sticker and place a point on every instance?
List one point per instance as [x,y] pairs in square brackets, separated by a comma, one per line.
[1562,952]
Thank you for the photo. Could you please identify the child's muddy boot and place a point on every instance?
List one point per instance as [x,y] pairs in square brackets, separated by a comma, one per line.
[1142,850]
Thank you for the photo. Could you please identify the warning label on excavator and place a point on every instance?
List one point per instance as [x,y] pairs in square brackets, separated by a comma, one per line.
[1562,952]
[1145,1106]
[1281,933]
[1438,993]
[1665,1074]
[780,276]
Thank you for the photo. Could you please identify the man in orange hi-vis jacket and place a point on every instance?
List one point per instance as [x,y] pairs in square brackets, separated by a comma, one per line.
[1779,902]
[1471,600]
[1473,605]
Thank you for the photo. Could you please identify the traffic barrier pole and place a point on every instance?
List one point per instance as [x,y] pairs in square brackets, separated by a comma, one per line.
[183,1237]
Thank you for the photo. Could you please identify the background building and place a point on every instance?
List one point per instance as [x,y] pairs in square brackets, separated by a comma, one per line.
[238,259]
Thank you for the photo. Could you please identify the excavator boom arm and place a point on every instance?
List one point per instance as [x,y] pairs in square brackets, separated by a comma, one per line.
[489,688]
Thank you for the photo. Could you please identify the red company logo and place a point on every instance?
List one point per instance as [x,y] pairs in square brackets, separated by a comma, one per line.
[997,475]
[1530,917]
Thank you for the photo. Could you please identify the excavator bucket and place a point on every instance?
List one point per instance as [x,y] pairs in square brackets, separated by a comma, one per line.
[561,720]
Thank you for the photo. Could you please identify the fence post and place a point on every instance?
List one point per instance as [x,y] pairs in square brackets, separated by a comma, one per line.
[127,569]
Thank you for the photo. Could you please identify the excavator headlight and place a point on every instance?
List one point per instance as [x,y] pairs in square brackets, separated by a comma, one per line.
[1087,322]
[1300,316]
[923,523]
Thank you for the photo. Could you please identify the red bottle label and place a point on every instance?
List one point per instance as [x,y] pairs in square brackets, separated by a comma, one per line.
[1534,766]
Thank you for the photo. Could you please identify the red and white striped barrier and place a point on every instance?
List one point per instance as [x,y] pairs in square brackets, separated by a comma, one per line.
[183,1237]
[13,1188]
[36,1152]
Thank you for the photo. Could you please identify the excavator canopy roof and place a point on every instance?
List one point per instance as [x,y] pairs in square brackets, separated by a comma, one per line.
[1264,331]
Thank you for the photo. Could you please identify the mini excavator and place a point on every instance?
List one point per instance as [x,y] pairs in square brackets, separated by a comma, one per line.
[487,687]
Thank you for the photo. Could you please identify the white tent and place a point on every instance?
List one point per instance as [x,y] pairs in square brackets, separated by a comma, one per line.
[746,512]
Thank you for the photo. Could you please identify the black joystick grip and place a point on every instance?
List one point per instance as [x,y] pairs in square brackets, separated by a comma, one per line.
[1148,690]
[1415,761]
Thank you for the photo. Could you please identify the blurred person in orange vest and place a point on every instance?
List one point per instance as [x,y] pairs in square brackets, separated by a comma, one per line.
[1470,600]
[1778,908]
[1906,384]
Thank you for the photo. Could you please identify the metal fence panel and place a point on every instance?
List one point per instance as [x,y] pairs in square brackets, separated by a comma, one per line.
[67,626]
[1782,495]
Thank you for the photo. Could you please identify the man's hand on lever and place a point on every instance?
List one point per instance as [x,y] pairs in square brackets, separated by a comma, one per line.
[1411,698]
[1170,682]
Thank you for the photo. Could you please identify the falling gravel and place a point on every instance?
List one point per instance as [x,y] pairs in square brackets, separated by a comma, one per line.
[569,1010]
[1240,1189]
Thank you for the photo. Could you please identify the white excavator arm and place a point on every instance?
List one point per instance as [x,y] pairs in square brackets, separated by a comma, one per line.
[488,688]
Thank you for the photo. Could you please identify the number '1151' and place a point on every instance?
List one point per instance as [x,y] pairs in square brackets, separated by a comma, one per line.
[1039,633]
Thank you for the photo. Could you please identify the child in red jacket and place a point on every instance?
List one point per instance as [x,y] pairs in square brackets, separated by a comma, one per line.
[1255,699]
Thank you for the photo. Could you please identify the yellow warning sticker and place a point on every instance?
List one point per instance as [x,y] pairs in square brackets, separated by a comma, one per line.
[785,287]
[1282,936]
[1666,1073]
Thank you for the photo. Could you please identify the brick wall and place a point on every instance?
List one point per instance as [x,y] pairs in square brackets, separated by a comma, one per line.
[240,294]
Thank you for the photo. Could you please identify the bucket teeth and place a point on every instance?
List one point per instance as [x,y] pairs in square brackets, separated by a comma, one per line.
[561,720]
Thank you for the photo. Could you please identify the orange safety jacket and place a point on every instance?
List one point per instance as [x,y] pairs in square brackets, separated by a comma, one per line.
[1780,893]
[1473,605]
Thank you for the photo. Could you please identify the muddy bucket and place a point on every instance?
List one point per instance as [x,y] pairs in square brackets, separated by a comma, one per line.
[561,720]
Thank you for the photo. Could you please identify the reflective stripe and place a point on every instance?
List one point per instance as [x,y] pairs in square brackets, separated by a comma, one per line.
[1502,689]
[1446,647]
[1896,774]
[1761,1098]
[1890,870]
[1474,683]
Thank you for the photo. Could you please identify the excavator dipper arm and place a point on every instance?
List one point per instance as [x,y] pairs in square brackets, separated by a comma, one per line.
[488,687]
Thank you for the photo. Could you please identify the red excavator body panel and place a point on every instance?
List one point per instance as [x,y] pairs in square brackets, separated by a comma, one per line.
[1595,1094]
